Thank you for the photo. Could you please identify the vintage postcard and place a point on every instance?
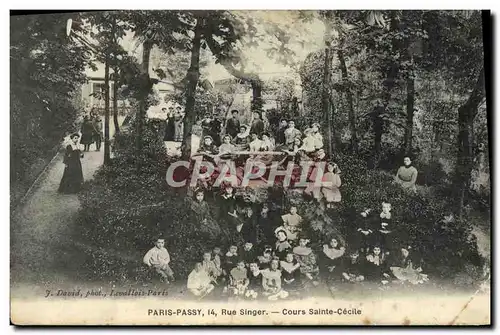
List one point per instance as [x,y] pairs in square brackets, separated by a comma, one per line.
[322,167]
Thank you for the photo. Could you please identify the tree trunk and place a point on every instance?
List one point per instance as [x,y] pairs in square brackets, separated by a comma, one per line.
[410,108]
[256,95]
[141,112]
[326,100]
[115,102]
[388,85]
[193,77]
[107,153]
[349,96]
[465,158]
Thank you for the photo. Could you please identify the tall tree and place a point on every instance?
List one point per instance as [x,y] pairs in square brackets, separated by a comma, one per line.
[193,76]
[107,144]
[455,47]
[349,94]
[168,30]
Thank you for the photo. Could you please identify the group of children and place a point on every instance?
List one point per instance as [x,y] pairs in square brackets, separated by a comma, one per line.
[283,262]
[258,137]
[275,256]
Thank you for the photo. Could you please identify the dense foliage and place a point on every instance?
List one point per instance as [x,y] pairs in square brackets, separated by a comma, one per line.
[46,72]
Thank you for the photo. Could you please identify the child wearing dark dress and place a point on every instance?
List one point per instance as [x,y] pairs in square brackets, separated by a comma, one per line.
[365,233]
[282,245]
[248,253]
[353,268]
[384,230]
[265,259]
[230,259]
[376,266]
[203,216]
[254,289]
[290,273]
[333,257]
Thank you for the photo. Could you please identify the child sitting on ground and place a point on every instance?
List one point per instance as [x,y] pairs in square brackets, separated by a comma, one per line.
[331,192]
[271,282]
[199,282]
[203,216]
[248,253]
[254,281]
[217,258]
[239,279]
[231,259]
[353,268]
[376,266]
[290,272]
[158,258]
[292,224]
[264,260]
[210,267]
[307,260]
[282,245]
[384,230]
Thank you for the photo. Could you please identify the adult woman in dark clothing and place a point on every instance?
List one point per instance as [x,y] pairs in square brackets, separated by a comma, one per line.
[87,133]
[169,126]
[72,179]
[97,124]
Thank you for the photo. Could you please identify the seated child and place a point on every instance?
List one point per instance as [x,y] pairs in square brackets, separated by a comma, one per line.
[333,254]
[331,192]
[248,253]
[365,233]
[158,258]
[407,270]
[217,258]
[376,266]
[353,268]
[282,245]
[383,234]
[307,260]
[254,281]
[199,283]
[231,259]
[238,279]
[264,260]
[228,205]
[209,266]
[226,148]
[292,223]
[202,214]
[290,272]
[271,282]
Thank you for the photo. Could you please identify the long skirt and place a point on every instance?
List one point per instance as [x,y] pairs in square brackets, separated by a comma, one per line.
[87,138]
[72,179]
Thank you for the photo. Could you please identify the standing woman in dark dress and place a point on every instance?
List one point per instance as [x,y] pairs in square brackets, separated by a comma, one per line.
[72,179]
[87,133]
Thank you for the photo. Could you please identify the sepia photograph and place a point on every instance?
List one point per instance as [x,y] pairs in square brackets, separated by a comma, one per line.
[250,167]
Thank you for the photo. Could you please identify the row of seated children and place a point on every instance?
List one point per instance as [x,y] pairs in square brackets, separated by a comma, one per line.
[268,276]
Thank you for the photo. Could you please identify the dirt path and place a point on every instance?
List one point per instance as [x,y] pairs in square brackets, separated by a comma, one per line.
[42,250]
